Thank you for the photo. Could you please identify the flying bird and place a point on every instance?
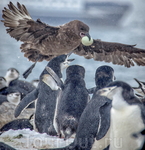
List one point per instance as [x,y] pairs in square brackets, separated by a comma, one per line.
[44,42]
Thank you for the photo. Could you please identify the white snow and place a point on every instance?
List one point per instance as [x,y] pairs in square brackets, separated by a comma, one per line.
[26,139]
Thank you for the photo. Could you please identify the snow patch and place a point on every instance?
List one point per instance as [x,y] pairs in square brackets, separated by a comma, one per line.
[26,139]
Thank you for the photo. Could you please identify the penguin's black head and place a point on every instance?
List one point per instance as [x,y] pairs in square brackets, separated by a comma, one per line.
[104,75]
[112,88]
[57,64]
[57,61]
[75,70]
[127,91]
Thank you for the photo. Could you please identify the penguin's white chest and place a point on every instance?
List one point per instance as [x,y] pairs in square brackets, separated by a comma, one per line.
[125,122]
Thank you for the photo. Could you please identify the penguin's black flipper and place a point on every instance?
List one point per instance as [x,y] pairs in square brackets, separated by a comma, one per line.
[55,77]
[105,120]
[29,98]
[28,71]
[4,146]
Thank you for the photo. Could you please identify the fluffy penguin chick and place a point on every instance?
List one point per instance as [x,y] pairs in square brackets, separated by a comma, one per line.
[8,106]
[11,74]
[127,116]
[14,98]
[13,82]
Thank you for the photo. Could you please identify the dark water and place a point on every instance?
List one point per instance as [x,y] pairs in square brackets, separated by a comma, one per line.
[131,31]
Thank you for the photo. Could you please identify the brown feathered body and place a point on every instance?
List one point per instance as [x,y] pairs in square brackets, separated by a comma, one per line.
[43,42]
[61,41]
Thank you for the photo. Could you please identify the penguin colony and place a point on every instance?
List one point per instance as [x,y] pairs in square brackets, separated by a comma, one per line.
[112,119]
[64,109]
[12,90]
